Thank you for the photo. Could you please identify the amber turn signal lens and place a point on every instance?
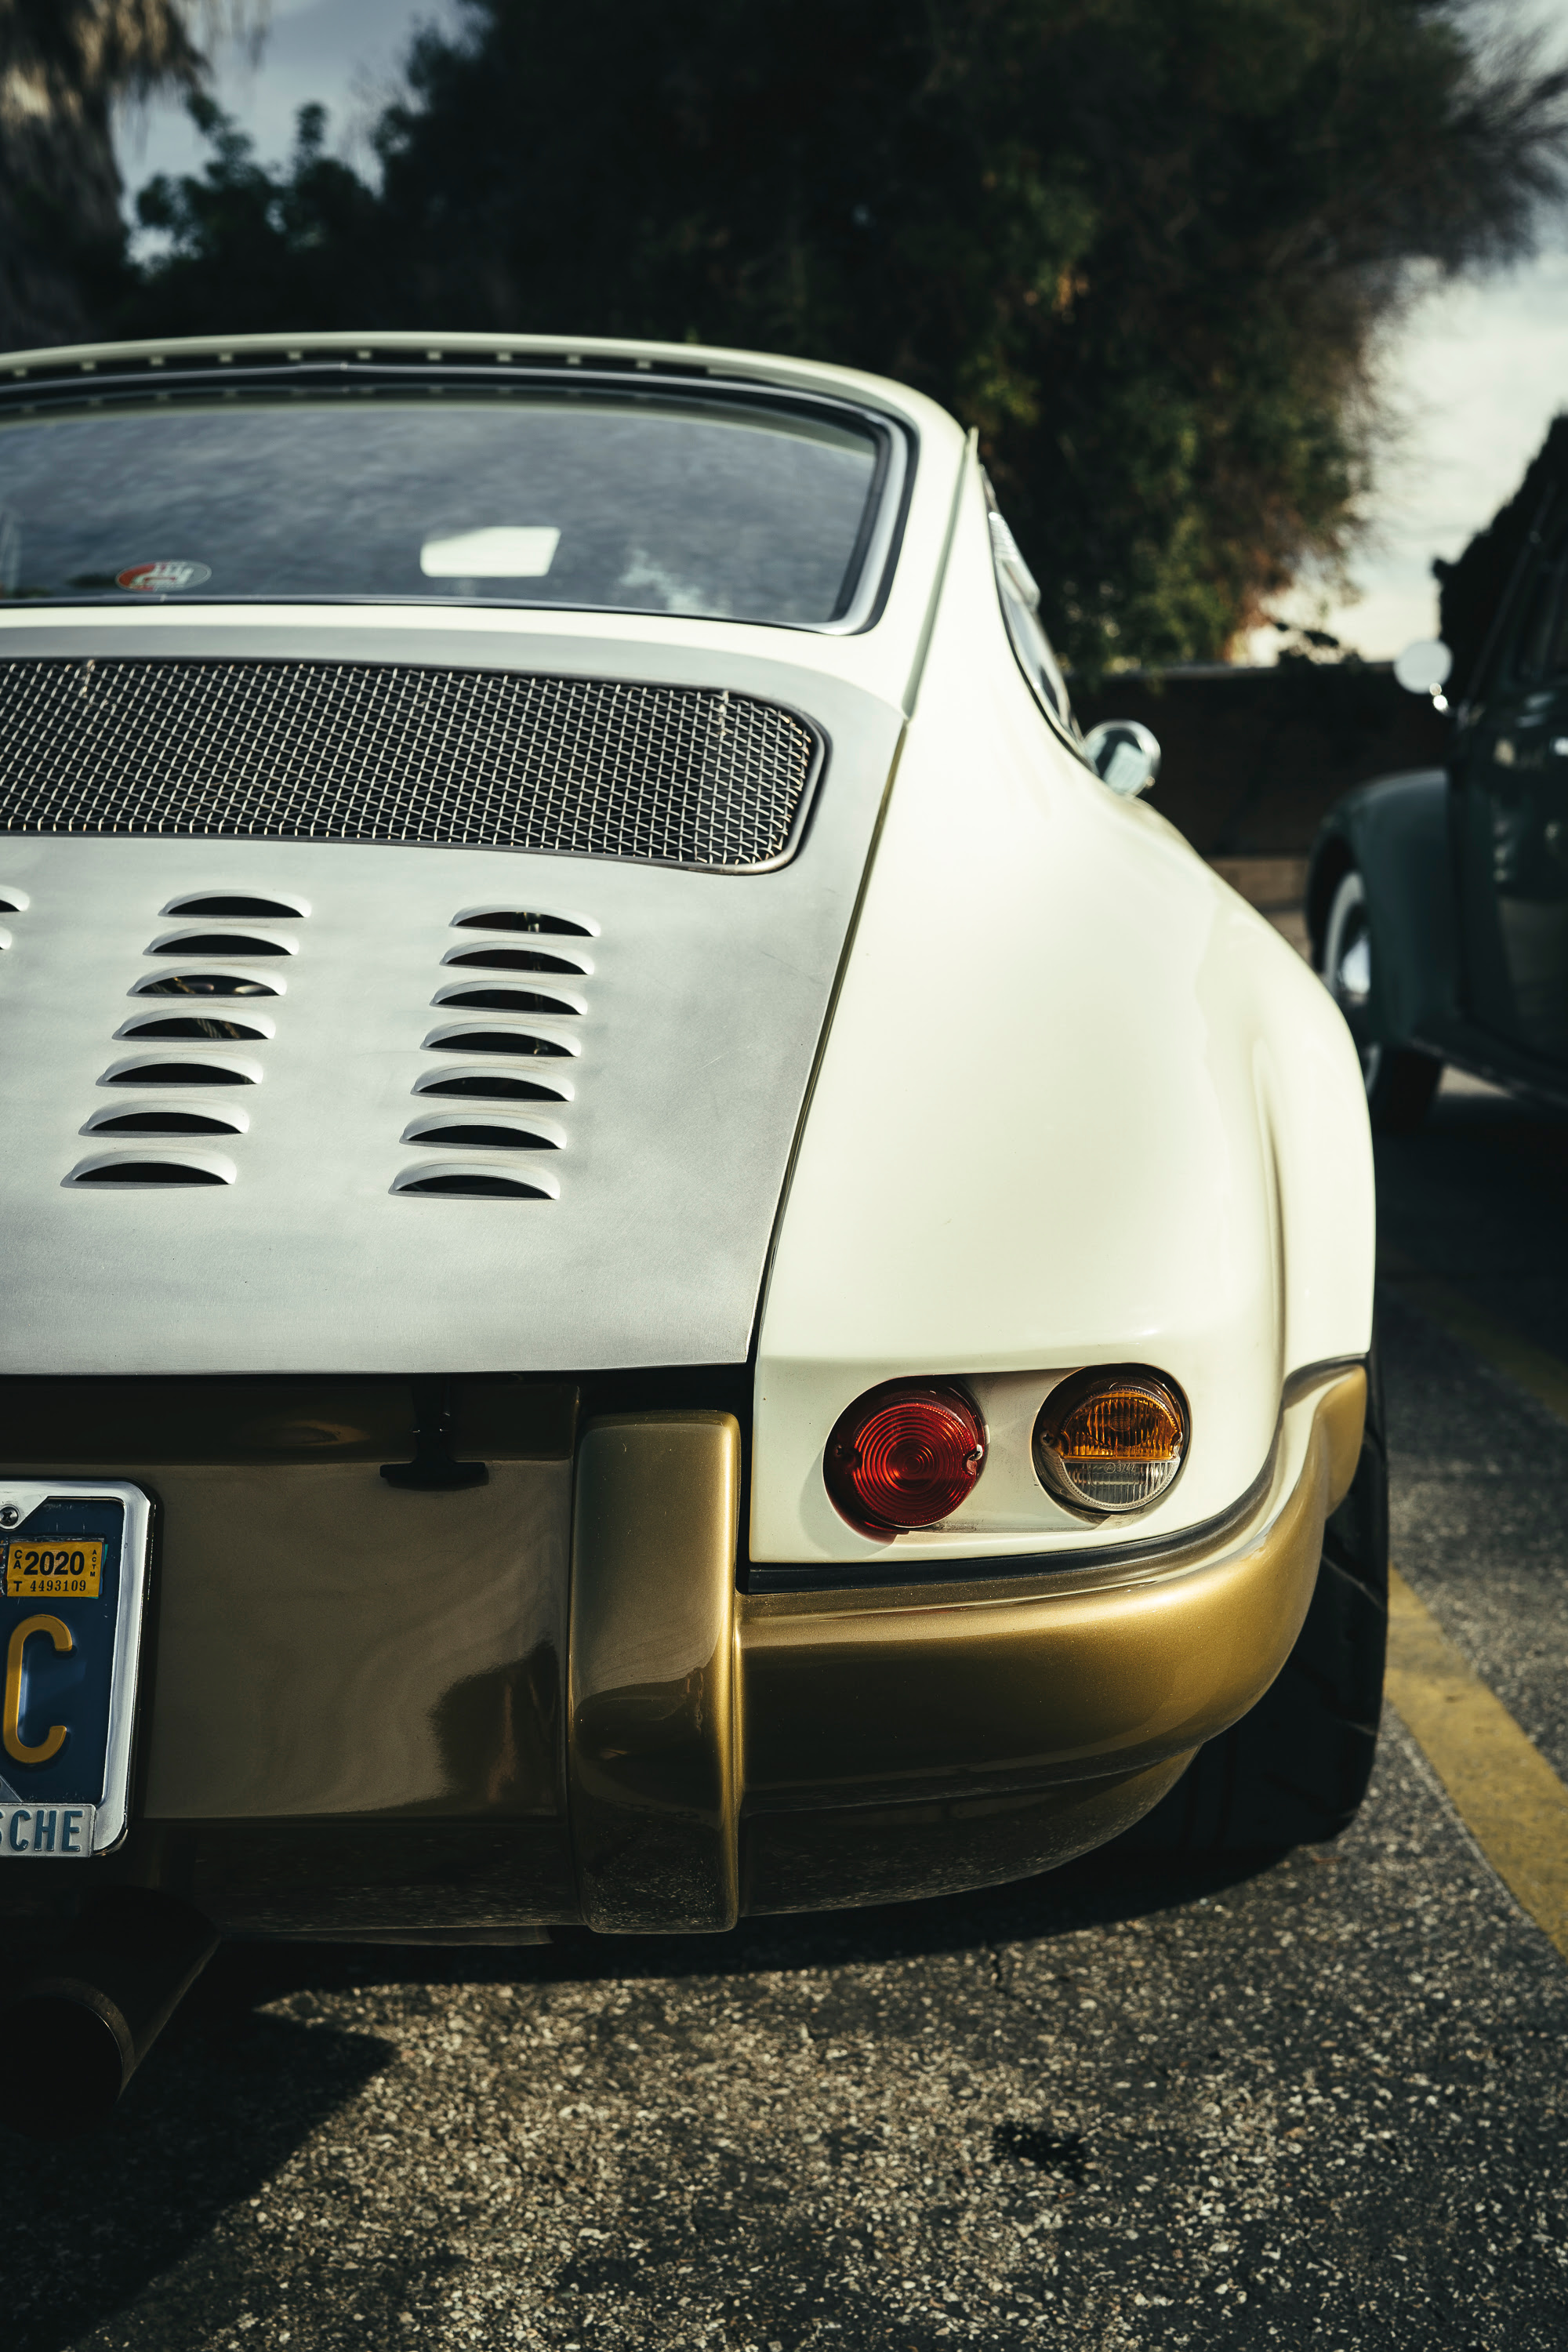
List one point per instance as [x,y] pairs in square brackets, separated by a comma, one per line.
[905,1456]
[1111,1439]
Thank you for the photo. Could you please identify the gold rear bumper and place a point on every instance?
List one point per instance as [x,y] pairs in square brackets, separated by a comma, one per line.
[731,1753]
[544,1698]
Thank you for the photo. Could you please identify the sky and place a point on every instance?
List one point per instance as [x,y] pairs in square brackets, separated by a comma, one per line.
[1471,375]
[346,53]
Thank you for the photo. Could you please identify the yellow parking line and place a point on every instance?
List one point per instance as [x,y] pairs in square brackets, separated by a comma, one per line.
[1500,1785]
[1541,1375]
[1502,1788]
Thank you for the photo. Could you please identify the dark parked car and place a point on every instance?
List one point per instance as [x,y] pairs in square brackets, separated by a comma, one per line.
[1438,901]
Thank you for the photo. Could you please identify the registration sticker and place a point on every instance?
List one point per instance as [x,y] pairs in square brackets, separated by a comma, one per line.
[58,1830]
[170,572]
[71,1568]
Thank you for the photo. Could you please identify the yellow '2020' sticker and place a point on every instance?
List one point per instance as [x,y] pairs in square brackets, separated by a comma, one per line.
[64,1568]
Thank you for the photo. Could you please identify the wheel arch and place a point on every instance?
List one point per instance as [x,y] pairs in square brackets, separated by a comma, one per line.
[1333,858]
[1395,833]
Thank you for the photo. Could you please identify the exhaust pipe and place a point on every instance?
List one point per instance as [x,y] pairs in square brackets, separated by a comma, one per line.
[76,2029]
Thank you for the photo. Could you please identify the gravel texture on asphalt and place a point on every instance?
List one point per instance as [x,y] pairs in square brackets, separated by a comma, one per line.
[1480,1469]
[1476,1197]
[1480,1472]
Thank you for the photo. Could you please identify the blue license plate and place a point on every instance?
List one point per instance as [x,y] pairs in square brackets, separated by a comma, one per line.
[73,1572]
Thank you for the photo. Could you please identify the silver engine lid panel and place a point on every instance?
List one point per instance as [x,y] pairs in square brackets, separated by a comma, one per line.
[682,1085]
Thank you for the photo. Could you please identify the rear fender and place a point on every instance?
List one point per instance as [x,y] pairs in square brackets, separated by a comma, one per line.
[1395,833]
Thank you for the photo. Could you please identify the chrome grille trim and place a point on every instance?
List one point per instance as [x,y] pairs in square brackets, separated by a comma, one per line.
[381,751]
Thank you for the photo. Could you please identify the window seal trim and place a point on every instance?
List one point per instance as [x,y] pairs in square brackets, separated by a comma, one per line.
[1065,731]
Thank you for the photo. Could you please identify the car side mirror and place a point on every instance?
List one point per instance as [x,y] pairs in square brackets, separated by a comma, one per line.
[1124,754]
[1423,669]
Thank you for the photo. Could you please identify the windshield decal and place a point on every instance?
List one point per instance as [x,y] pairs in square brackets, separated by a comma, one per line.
[170,572]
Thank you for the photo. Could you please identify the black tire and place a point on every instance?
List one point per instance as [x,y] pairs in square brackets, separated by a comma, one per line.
[1294,1771]
[1400,1080]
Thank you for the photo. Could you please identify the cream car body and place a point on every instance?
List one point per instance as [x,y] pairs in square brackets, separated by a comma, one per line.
[986,1079]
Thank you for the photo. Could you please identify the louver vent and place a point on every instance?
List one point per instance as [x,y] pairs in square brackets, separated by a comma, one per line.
[190,1024]
[495,1041]
[204,984]
[455,1178]
[492,1085]
[143,1172]
[166,1122]
[218,943]
[512,959]
[205,1024]
[251,910]
[475,1183]
[178,1074]
[517,918]
[471,1135]
[289,751]
[506,1000]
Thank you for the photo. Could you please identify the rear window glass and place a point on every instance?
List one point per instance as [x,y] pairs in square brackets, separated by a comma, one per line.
[734,510]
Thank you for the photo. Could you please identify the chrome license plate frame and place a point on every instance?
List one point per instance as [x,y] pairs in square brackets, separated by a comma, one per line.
[71,1669]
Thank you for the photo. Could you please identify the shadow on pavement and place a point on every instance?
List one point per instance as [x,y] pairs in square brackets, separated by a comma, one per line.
[1475,1198]
[230,2093]
[223,2101]
[1101,1890]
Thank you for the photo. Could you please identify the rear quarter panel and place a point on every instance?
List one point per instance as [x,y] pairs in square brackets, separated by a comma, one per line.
[1076,1104]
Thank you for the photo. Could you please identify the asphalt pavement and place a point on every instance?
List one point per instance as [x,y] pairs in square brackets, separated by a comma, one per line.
[1315,2104]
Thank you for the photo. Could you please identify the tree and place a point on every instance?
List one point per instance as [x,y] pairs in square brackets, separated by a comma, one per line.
[1142,245]
[63,66]
[251,248]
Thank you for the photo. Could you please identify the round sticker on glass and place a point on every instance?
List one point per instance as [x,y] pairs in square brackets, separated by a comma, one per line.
[158,578]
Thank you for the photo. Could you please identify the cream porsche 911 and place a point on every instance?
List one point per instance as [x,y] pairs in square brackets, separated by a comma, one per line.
[664,1256]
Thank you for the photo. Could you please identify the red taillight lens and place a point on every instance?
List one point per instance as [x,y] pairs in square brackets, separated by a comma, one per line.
[905,1456]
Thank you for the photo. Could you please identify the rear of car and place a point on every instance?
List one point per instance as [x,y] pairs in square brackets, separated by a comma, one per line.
[659,1264]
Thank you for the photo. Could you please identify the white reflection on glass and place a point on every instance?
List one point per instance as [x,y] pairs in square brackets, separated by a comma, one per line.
[504,551]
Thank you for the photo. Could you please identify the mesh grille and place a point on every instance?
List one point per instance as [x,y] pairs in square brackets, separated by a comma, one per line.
[284,750]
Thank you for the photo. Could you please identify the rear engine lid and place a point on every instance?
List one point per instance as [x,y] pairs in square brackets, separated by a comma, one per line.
[300,1073]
